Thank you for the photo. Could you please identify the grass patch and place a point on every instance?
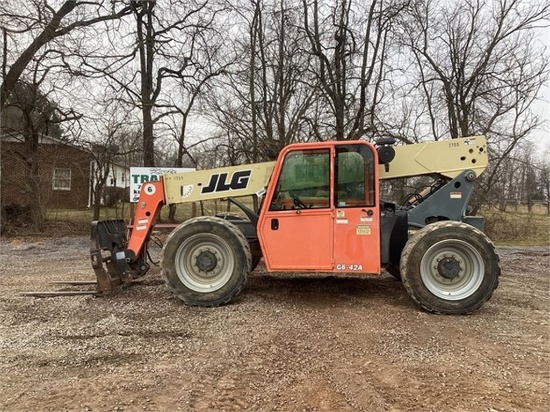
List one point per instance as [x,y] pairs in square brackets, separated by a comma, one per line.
[518,227]
[121,211]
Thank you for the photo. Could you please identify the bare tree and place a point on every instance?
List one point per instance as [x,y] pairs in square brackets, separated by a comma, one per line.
[167,40]
[265,100]
[41,22]
[114,141]
[480,70]
[32,102]
[350,45]
[32,55]
[483,62]
[544,179]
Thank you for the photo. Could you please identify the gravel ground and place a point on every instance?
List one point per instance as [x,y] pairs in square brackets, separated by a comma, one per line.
[288,342]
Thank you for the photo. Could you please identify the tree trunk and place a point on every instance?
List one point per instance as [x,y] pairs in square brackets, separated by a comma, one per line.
[33,181]
[146,43]
[172,213]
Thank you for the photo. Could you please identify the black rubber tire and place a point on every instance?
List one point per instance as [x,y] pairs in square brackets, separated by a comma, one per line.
[393,270]
[234,216]
[255,262]
[468,249]
[213,237]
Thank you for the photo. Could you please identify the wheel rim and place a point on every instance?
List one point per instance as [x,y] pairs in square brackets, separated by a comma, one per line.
[204,263]
[452,269]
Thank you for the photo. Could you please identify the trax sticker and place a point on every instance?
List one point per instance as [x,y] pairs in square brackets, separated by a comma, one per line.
[456,195]
[341,221]
[139,176]
[469,141]
[219,182]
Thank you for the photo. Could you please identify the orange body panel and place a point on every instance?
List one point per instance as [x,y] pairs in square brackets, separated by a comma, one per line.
[303,240]
[329,239]
[357,240]
[149,205]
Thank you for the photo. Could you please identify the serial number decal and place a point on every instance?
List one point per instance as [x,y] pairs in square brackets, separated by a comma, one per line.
[219,182]
[351,267]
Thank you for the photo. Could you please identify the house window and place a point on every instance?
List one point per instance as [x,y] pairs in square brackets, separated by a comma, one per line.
[61,179]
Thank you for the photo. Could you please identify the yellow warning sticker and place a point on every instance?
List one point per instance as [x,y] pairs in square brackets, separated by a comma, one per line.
[362,230]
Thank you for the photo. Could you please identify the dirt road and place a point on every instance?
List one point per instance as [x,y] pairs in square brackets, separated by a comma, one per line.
[289,343]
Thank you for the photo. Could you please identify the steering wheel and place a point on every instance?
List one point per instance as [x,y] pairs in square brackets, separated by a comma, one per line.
[297,201]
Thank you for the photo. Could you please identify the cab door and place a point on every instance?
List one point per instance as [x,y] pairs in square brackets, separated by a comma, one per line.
[296,227]
[356,223]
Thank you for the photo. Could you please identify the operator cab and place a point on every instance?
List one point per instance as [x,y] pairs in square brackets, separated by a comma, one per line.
[321,211]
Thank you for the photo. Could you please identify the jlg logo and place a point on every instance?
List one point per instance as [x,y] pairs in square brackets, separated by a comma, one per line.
[218,182]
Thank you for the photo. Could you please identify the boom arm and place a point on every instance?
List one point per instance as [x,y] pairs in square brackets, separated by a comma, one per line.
[448,158]
[211,184]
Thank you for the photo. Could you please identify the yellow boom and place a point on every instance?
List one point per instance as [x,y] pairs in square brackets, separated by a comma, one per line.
[444,157]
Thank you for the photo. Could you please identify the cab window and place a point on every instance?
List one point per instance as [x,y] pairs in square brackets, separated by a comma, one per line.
[304,182]
[354,176]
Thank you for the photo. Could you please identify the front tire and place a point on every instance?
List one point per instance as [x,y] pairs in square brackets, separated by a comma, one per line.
[232,216]
[450,268]
[206,261]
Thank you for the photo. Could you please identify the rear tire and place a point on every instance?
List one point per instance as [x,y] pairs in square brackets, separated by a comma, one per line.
[206,261]
[450,268]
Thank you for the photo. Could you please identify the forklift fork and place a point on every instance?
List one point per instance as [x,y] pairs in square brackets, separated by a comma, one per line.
[110,260]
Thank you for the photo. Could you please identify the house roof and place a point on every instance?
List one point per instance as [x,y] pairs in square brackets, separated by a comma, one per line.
[18,137]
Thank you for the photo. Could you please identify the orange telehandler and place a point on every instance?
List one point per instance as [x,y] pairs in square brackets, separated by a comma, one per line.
[320,211]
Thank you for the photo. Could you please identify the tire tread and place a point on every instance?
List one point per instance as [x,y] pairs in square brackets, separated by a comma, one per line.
[413,241]
[246,248]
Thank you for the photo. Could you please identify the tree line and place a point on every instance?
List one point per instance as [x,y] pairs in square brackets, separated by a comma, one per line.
[210,83]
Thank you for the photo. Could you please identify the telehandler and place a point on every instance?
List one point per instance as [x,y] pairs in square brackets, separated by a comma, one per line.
[320,212]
